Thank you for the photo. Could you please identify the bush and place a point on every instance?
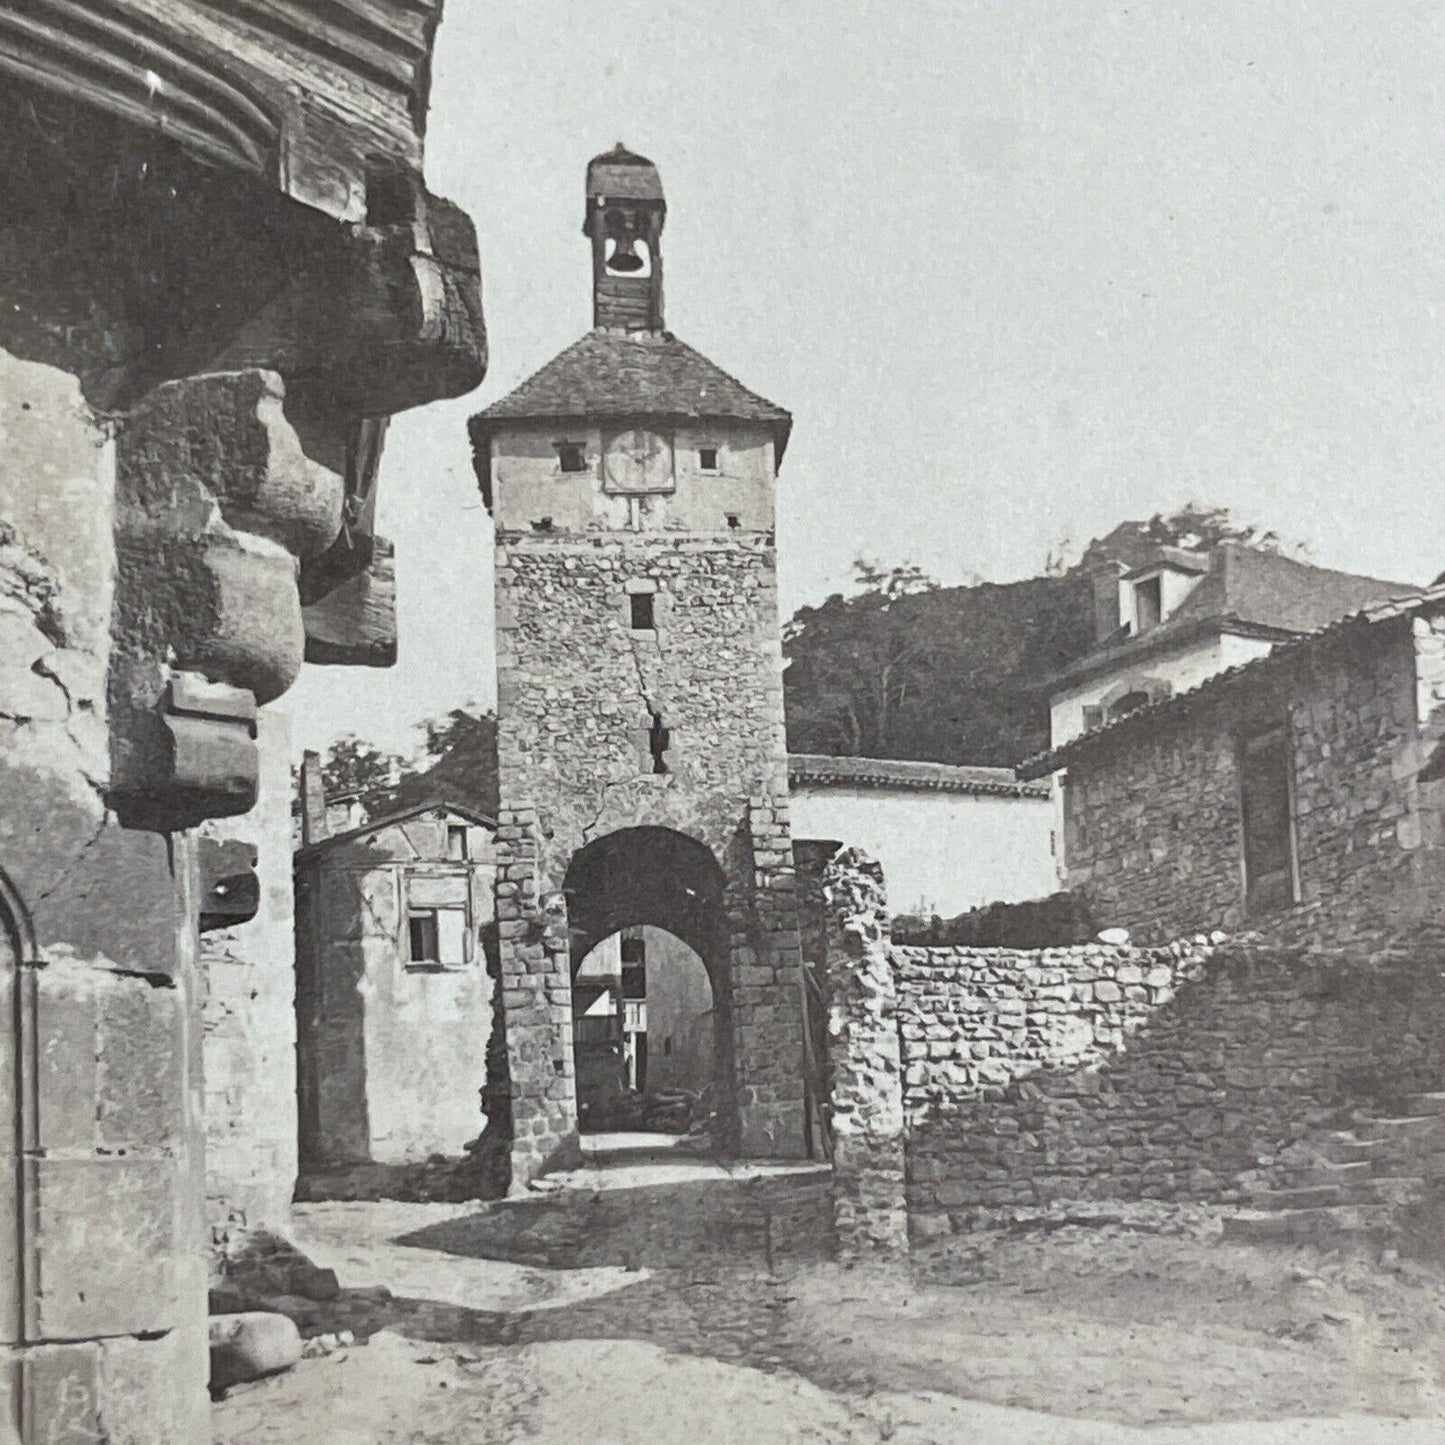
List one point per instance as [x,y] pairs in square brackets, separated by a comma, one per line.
[1058,921]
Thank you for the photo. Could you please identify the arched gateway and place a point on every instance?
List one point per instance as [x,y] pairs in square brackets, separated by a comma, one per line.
[634,882]
[642,765]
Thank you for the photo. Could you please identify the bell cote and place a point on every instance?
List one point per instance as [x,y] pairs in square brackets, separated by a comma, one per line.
[625,214]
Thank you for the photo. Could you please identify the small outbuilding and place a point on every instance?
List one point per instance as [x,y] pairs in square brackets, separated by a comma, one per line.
[395,977]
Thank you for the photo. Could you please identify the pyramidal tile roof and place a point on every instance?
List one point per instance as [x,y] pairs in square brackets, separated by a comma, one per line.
[649,375]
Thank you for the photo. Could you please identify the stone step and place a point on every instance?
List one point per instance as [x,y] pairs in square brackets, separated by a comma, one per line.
[1299,1226]
[1422,1163]
[1408,1126]
[1348,1148]
[1396,1190]
[1418,1104]
[1329,1171]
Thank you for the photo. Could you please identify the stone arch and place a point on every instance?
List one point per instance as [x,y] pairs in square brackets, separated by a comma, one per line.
[1132,694]
[657,876]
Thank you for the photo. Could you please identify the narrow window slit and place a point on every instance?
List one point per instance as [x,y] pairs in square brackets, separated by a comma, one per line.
[643,615]
[657,742]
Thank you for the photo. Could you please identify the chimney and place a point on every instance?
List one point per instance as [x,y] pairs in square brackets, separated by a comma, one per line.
[313,800]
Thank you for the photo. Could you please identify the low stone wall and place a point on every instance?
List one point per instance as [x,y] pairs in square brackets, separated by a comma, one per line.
[1121,1073]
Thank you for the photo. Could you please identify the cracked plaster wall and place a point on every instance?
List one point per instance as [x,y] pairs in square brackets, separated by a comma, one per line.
[392,1057]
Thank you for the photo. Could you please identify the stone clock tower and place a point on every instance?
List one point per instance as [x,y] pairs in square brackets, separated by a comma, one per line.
[643,770]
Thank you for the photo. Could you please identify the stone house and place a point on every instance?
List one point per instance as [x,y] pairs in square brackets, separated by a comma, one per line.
[394,987]
[1300,794]
[948,838]
[1180,616]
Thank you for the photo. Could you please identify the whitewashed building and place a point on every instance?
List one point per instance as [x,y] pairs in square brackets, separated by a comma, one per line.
[949,838]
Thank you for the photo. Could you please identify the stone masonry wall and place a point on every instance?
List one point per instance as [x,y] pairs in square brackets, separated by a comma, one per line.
[577,688]
[865,1093]
[536,976]
[580,697]
[1169,1073]
[102,1271]
[250,1022]
[1152,819]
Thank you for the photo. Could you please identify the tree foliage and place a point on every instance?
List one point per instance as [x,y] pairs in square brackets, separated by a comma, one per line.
[948,674]
[904,668]
[457,760]
[353,765]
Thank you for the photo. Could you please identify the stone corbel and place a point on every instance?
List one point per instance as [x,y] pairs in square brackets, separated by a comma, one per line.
[230,889]
[216,505]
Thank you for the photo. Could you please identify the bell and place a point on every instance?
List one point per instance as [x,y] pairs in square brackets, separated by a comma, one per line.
[624,258]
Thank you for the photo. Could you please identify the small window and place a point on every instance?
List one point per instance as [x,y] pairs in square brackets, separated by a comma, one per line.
[707,459]
[634,951]
[641,611]
[571,456]
[438,937]
[423,928]
[456,843]
[1148,604]
[734,521]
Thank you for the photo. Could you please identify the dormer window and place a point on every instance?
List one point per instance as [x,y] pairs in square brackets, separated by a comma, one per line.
[707,459]
[1148,603]
[571,456]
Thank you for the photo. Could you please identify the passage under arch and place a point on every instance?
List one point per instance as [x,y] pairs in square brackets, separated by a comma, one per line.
[646,875]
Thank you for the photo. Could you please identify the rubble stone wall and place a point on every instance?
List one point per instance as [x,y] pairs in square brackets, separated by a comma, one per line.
[577,688]
[250,1022]
[865,1095]
[1125,1073]
[1152,820]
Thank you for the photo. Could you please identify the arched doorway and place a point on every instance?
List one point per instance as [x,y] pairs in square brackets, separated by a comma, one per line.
[651,991]
[644,1033]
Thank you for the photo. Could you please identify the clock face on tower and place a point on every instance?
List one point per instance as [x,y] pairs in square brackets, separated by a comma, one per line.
[637,461]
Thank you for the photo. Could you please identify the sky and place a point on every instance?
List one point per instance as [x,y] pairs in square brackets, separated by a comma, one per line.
[1019,268]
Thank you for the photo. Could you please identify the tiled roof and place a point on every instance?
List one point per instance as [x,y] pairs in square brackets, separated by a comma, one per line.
[400,815]
[621,174]
[1181,703]
[648,375]
[1251,592]
[896,773]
